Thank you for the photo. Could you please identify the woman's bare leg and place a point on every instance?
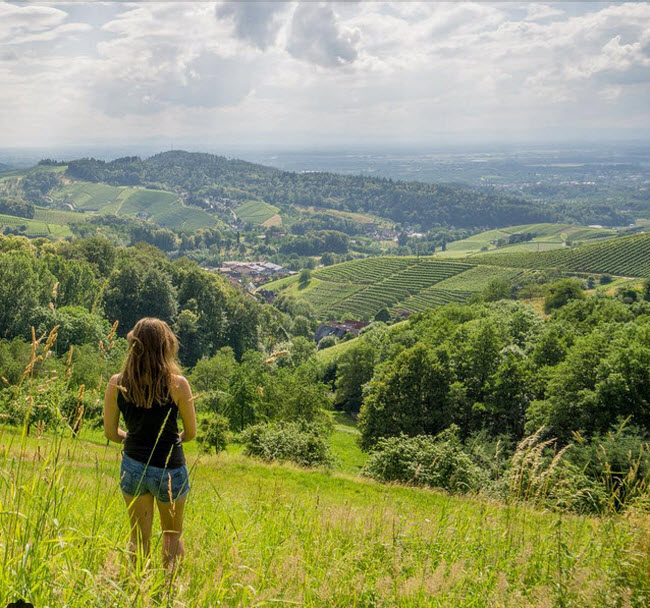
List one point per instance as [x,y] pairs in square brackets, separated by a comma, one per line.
[140,510]
[171,522]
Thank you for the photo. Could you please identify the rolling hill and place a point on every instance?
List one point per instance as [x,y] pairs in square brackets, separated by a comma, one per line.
[159,206]
[361,288]
[409,202]
[627,256]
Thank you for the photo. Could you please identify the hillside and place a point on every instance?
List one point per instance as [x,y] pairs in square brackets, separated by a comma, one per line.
[262,535]
[159,206]
[209,176]
[361,288]
[528,237]
[623,256]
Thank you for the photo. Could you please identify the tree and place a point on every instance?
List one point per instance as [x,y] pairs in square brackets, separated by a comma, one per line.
[190,338]
[355,368]
[497,289]
[561,292]
[304,277]
[383,315]
[409,395]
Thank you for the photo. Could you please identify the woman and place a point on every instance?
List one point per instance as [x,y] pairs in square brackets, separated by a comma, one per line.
[150,393]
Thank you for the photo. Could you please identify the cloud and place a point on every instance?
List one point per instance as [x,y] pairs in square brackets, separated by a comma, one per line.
[23,24]
[255,22]
[318,36]
[301,71]
[542,11]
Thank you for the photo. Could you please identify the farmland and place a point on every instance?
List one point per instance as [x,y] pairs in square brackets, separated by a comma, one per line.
[35,227]
[256,212]
[546,236]
[624,256]
[361,288]
[159,206]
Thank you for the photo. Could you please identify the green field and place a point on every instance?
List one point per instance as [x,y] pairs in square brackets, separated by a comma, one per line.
[35,227]
[361,288]
[547,236]
[256,212]
[276,535]
[159,206]
[623,256]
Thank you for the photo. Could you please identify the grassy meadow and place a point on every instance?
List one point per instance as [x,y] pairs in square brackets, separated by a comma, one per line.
[276,535]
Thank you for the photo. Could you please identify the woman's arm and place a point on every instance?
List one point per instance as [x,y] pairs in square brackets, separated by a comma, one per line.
[182,396]
[112,413]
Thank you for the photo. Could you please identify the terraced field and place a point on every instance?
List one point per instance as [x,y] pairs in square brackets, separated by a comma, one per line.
[58,216]
[366,271]
[256,212]
[361,288]
[623,256]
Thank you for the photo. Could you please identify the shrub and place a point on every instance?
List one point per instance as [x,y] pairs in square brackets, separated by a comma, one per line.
[213,434]
[439,462]
[298,442]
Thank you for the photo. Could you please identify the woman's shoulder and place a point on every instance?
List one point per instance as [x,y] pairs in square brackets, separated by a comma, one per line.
[179,382]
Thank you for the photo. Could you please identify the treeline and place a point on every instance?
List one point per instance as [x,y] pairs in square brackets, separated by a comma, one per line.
[503,370]
[17,207]
[91,284]
[414,203]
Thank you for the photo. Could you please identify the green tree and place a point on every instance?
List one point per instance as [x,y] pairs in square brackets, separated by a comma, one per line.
[561,292]
[408,395]
[355,368]
[304,277]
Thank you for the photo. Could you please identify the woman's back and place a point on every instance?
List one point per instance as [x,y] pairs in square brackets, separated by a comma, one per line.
[152,433]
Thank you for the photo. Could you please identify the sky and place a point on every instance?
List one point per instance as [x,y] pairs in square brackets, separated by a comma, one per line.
[322,73]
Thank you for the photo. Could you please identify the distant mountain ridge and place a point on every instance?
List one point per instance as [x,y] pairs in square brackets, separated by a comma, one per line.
[427,205]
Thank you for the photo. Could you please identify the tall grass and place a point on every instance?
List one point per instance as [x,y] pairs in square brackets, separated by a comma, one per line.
[270,535]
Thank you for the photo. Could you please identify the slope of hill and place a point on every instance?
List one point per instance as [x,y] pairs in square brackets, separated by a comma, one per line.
[528,237]
[159,206]
[362,288]
[623,256]
[264,535]
[411,202]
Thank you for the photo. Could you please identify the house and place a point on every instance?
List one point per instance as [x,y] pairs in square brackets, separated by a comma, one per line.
[338,330]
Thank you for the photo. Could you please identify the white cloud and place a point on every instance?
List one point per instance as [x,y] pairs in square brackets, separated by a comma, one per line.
[318,36]
[302,71]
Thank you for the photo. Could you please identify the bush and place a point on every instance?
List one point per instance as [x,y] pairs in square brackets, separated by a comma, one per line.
[213,434]
[438,462]
[298,442]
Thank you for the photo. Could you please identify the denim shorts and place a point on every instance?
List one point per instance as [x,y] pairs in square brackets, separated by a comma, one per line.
[138,478]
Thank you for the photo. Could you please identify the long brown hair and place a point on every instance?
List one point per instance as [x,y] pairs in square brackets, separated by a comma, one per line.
[150,363]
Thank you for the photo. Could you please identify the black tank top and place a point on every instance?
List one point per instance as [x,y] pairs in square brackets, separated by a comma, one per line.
[152,433]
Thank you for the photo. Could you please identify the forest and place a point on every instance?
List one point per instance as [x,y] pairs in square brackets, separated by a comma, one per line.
[416,203]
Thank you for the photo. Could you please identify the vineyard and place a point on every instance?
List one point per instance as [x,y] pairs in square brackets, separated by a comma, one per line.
[159,206]
[35,227]
[361,288]
[256,212]
[624,256]
[545,237]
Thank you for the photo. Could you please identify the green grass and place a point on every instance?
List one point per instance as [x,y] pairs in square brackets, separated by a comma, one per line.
[256,212]
[35,227]
[547,236]
[158,206]
[266,535]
